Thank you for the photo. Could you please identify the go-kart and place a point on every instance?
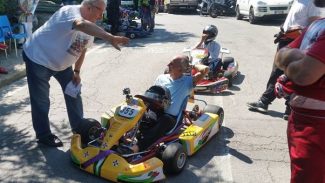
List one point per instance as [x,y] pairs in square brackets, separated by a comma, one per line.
[218,80]
[96,149]
[135,32]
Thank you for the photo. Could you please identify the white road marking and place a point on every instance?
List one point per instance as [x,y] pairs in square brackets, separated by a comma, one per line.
[223,162]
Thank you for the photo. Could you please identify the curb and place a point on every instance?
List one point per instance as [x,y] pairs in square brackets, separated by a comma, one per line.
[17,74]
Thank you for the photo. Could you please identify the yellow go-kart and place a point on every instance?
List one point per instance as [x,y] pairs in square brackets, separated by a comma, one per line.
[95,150]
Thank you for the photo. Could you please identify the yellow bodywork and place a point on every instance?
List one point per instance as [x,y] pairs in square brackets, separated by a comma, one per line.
[114,167]
[199,132]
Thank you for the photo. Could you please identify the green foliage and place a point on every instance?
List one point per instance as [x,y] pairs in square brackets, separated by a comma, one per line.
[8,7]
[2,6]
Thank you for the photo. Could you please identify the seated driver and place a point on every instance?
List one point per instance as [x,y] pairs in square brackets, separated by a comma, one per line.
[207,41]
[173,88]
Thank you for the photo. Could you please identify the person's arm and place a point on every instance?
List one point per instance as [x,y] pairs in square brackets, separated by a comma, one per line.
[313,18]
[300,68]
[77,66]
[199,44]
[202,70]
[93,30]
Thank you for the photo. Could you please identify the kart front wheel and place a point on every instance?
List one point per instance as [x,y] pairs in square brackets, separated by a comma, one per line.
[215,110]
[89,130]
[174,158]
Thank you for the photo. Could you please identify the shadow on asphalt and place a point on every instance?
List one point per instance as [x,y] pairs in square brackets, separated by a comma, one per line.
[272,113]
[158,36]
[268,22]
[217,146]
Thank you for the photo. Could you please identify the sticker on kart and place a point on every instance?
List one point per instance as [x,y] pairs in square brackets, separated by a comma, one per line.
[128,111]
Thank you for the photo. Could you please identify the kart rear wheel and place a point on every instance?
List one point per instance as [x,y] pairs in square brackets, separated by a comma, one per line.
[174,158]
[230,78]
[214,109]
[89,129]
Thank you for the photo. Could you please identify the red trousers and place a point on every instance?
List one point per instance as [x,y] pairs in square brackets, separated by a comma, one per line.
[306,140]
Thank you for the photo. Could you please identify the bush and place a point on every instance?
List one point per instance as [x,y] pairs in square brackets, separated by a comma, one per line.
[8,7]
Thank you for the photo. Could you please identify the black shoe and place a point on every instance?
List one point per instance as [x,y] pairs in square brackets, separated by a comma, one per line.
[258,106]
[285,116]
[287,113]
[51,140]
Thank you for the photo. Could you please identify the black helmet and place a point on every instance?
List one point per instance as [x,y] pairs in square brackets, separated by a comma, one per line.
[159,96]
[211,31]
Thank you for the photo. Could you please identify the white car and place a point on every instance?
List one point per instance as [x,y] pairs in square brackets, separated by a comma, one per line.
[127,4]
[257,9]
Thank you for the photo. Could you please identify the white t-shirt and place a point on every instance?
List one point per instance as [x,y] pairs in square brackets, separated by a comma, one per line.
[300,12]
[213,48]
[55,45]
[179,89]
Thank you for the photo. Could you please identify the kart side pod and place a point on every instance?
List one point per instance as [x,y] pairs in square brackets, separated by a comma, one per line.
[112,166]
[196,135]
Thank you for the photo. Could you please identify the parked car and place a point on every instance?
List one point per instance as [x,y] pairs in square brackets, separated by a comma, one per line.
[129,4]
[171,5]
[259,9]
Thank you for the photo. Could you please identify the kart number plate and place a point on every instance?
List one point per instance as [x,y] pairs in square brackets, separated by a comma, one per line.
[128,111]
[278,12]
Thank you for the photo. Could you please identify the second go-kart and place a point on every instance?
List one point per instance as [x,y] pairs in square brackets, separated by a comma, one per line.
[219,80]
[100,156]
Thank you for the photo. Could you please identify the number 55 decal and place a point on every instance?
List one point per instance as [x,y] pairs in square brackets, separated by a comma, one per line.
[128,111]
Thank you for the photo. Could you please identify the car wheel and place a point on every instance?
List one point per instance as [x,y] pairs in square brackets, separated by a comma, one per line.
[214,109]
[238,15]
[251,16]
[214,11]
[174,158]
[132,35]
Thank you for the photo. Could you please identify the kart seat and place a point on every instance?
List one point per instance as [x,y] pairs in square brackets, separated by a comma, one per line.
[226,61]
[180,115]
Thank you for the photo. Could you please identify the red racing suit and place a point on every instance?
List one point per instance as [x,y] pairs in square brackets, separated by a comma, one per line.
[306,127]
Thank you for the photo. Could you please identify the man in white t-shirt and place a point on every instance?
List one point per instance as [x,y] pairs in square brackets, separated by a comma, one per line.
[301,14]
[58,49]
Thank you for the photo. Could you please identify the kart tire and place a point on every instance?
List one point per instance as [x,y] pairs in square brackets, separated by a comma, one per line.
[214,109]
[88,130]
[228,75]
[174,158]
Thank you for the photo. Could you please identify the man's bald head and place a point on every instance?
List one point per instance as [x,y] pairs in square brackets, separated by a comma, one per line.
[183,61]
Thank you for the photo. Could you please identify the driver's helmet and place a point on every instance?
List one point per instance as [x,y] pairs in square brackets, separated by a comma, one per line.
[211,31]
[159,96]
